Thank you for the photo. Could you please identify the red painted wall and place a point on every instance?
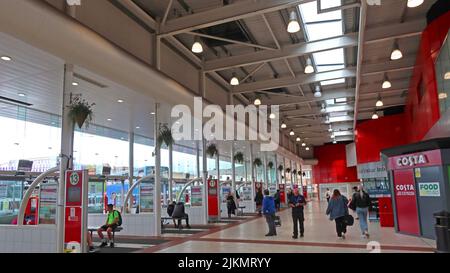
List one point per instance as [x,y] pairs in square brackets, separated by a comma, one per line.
[372,136]
[422,113]
[332,166]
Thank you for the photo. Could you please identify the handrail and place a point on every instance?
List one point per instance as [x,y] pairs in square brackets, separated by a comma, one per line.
[26,197]
[130,191]
[187,185]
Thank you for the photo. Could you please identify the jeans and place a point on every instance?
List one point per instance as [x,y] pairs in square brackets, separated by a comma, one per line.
[270,219]
[341,227]
[362,215]
[298,218]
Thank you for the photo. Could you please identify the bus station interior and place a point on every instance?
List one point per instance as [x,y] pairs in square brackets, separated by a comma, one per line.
[363,93]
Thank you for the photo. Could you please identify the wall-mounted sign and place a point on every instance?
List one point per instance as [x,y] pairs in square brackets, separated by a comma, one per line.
[405,190]
[47,203]
[146,196]
[429,189]
[196,196]
[428,158]
[371,170]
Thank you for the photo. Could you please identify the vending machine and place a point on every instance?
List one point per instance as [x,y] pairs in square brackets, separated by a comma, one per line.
[75,223]
[213,200]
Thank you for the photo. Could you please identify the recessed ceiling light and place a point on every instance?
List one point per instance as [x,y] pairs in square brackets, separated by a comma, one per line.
[120,101]
[21,95]
[137,127]
[152,113]
[75,84]
[6,58]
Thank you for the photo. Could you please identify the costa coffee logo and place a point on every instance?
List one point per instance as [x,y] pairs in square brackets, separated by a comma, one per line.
[405,190]
[212,183]
[411,160]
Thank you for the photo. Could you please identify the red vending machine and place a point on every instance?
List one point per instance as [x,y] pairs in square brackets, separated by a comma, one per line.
[213,200]
[386,212]
[75,223]
[281,187]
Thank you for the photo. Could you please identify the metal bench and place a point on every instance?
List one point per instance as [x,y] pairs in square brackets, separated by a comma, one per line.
[167,218]
[117,229]
[241,210]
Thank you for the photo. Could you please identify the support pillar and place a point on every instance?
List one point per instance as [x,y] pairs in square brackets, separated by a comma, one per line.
[157,187]
[266,177]
[130,167]
[233,169]
[169,184]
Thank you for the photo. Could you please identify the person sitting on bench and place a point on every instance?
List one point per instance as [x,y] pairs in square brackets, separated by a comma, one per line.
[179,213]
[111,224]
[170,209]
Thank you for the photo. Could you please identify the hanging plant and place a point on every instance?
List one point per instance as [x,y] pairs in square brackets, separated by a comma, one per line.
[270,164]
[288,170]
[257,162]
[165,136]
[280,168]
[211,150]
[294,172]
[299,173]
[239,157]
[81,112]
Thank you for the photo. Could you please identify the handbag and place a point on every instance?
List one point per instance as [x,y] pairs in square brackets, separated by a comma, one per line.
[349,220]
[277,220]
[352,204]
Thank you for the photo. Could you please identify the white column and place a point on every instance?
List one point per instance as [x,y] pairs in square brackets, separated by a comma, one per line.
[266,177]
[130,166]
[197,146]
[205,177]
[67,135]
[157,187]
[277,182]
[233,169]
[252,170]
[170,175]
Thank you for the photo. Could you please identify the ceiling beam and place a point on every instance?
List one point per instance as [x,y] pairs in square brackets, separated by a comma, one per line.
[316,110]
[289,81]
[327,94]
[236,11]
[289,51]
[139,13]
[369,69]
[389,32]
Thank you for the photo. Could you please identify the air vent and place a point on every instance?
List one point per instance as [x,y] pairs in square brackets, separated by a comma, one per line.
[89,80]
[14,101]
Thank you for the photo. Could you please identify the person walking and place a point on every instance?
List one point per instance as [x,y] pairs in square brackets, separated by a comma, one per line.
[338,210]
[259,201]
[277,198]
[268,209]
[231,205]
[361,201]
[297,203]
[328,195]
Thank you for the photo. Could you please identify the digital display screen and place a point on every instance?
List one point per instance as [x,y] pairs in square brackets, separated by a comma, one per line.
[74,194]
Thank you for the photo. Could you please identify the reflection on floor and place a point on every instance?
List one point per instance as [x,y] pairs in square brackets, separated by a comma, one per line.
[245,234]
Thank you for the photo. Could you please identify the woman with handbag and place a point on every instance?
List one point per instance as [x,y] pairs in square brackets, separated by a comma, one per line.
[338,211]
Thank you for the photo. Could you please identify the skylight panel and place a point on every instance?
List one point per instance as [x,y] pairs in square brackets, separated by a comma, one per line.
[318,31]
[335,56]
[324,68]
[309,13]
[331,82]
[341,100]
[326,4]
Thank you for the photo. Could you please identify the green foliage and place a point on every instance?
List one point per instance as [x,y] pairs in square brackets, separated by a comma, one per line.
[211,150]
[239,157]
[81,111]
[165,136]
[257,162]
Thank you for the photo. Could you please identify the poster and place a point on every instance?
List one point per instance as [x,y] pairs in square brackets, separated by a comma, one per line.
[196,196]
[225,191]
[272,190]
[246,194]
[429,189]
[147,192]
[47,204]
[3,191]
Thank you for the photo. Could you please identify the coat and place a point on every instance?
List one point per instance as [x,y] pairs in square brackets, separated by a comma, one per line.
[259,198]
[268,207]
[337,207]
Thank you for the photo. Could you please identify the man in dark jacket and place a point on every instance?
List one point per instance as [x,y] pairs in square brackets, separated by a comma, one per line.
[277,198]
[179,213]
[269,212]
[170,209]
[297,202]
[259,200]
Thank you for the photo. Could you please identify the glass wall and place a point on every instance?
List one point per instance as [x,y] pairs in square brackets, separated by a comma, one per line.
[443,76]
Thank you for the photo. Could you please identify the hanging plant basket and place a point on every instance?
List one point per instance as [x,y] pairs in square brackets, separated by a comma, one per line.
[239,157]
[288,170]
[294,172]
[81,112]
[270,164]
[299,173]
[257,162]
[165,136]
[211,150]
[280,168]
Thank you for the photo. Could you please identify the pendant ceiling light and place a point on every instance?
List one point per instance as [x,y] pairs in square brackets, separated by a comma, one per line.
[234,80]
[414,3]
[292,133]
[330,129]
[379,102]
[283,125]
[323,109]
[386,83]
[257,102]
[298,139]
[309,68]
[197,46]
[375,115]
[317,93]
[272,116]
[303,144]
[396,52]
[294,25]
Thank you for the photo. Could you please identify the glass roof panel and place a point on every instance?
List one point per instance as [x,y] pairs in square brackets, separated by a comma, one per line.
[324,30]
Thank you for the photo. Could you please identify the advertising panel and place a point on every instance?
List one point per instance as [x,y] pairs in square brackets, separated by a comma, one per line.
[196,196]
[47,204]
[406,203]
[147,192]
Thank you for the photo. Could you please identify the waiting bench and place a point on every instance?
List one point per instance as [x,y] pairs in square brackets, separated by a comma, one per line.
[117,229]
[165,219]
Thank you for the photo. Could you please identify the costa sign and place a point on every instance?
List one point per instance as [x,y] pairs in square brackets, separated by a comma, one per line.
[411,160]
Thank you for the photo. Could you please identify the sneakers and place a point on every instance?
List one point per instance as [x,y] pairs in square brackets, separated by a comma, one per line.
[294,237]
[91,249]
[301,235]
[103,244]
[111,245]
[268,234]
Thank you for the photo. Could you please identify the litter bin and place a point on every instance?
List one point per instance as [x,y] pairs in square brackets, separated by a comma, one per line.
[442,229]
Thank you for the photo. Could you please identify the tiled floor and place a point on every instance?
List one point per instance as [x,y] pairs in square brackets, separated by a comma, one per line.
[319,237]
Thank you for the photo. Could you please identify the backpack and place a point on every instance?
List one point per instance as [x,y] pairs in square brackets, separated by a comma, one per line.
[120,218]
